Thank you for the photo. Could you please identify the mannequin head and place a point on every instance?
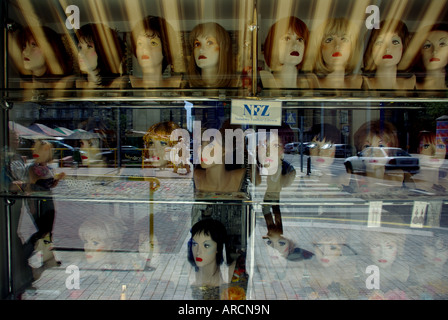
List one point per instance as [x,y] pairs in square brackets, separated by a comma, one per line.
[386,45]
[385,248]
[433,54]
[43,52]
[286,43]
[100,52]
[150,43]
[376,133]
[42,152]
[322,148]
[271,146]
[435,250]
[212,51]
[206,245]
[100,236]
[279,243]
[158,143]
[329,247]
[337,47]
[431,149]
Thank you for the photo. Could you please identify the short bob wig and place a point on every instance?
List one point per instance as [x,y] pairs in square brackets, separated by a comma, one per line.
[339,27]
[216,230]
[151,27]
[278,29]
[225,72]
[394,26]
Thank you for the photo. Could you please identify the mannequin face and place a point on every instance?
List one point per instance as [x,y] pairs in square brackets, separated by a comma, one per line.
[387,50]
[328,252]
[435,50]
[212,153]
[95,248]
[158,152]
[87,56]
[384,251]
[33,58]
[322,153]
[436,254]
[149,51]
[270,152]
[432,155]
[279,243]
[206,52]
[336,51]
[204,250]
[41,152]
[291,48]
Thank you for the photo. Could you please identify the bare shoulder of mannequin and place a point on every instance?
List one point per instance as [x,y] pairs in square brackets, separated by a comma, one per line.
[267,79]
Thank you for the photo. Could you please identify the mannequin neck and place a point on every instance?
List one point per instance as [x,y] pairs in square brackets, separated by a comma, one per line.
[387,77]
[39,72]
[152,74]
[287,76]
[209,275]
[209,75]
[435,79]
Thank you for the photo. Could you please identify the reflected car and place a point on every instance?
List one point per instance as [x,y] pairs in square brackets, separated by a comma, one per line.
[129,155]
[372,159]
[292,147]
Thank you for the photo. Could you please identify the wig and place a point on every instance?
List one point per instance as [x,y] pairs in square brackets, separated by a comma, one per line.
[109,48]
[278,29]
[216,230]
[386,26]
[42,145]
[379,128]
[418,67]
[225,72]
[151,27]
[339,27]
[160,131]
[57,58]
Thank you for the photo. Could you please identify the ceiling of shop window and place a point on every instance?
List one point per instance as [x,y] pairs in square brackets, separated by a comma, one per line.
[227,12]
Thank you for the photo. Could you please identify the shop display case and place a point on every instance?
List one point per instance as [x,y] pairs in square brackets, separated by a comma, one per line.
[224,150]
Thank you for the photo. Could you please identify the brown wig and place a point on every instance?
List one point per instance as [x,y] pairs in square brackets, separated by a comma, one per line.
[394,26]
[109,48]
[226,64]
[278,29]
[151,27]
[57,58]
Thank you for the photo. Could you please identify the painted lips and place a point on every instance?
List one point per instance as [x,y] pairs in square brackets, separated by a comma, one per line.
[202,57]
[199,259]
[295,53]
[434,59]
[145,57]
[387,56]
[337,54]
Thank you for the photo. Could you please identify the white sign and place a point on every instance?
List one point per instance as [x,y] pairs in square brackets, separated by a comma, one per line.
[256,112]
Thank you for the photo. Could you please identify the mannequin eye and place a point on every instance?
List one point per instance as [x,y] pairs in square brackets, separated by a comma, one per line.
[154,43]
[210,42]
[301,40]
[328,39]
[442,44]
[196,44]
[427,45]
